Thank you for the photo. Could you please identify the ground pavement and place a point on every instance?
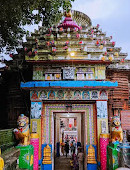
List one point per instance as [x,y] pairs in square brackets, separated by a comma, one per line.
[62,163]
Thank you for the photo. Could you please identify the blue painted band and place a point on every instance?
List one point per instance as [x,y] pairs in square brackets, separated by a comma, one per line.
[67,84]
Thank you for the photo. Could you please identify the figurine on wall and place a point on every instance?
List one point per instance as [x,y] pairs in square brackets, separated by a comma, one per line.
[22,133]
[116,133]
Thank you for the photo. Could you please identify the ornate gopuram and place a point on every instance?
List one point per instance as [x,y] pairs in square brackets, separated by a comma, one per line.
[69,80]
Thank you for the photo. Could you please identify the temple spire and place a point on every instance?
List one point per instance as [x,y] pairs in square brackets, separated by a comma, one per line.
[68,22]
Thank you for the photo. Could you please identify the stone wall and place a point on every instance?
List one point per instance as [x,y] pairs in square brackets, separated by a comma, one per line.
[7,139]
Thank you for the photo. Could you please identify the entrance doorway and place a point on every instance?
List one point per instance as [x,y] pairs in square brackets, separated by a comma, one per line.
[50,123]
[68,128]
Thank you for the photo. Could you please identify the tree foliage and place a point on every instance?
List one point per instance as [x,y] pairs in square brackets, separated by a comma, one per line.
[15,14]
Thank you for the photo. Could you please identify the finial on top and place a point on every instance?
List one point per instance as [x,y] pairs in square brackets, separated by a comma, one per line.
[68,14]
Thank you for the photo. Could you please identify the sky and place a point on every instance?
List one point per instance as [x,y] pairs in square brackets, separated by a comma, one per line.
[113,16]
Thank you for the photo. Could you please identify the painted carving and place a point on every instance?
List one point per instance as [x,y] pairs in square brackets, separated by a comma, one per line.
[34,95]
[68,73]
[36,110]
[48,76]
[80,76]
[77,95]
[116,133]
[65,94]
[103,94]
[60,94]
[43,94]
[68,95]
[90,73]
[86,95]
[57,76]
[51,95]
[94,95]
[37,73]
[22,133]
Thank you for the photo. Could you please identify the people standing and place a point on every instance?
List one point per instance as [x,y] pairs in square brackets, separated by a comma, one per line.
[62,147]
[67,148]
[72,148]
[80,159]
[75,161]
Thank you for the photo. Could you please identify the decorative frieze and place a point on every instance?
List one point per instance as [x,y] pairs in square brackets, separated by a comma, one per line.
[68,94]
[81,72]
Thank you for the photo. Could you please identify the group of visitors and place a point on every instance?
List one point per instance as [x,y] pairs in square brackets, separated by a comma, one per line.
[66,147]
[76,159]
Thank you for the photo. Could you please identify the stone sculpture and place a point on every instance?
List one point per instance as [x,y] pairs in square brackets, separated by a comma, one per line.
[22,132]
[116,133]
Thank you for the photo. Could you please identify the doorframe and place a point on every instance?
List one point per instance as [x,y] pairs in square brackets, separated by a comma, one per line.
[58,107]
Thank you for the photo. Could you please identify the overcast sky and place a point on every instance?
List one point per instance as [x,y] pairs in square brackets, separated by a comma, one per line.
[113,16]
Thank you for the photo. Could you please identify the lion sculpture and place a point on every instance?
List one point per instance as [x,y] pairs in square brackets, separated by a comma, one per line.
[22,133]
[116,133]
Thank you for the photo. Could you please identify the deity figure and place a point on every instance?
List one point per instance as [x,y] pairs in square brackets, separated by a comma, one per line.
[35,110]
[77,95]
[51,95]
[34,95]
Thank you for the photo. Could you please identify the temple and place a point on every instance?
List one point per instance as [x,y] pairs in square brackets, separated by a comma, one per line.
[69,90]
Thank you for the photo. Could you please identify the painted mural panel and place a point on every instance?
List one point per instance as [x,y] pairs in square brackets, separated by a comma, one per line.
[77,95]
[60,94]
[86,95]
[57,76]
[48,77]
[68,94]
[68,73]
[103,94]
[36,108]
[51,95]
[83,72]
[37,73]
[94,95]
[42,94]
[34,95]
[102,109]
[101,72]
[80,76]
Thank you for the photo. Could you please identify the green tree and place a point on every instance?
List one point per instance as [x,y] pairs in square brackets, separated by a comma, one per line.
[15,14]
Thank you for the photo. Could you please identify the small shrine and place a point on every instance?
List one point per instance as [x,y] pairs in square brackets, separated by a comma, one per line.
[47,155]
[69,63]
[91,155]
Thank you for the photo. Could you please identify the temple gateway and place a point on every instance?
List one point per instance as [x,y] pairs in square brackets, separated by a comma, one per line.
[69,90]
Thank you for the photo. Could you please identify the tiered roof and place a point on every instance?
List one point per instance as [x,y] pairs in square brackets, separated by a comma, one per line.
[69,42]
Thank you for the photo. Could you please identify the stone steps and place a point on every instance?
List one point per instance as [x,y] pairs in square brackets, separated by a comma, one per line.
[10,158]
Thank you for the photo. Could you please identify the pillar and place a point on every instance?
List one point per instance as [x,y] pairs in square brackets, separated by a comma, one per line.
[102,121]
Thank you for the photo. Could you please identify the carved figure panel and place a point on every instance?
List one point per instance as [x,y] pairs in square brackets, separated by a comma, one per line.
[68,73]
